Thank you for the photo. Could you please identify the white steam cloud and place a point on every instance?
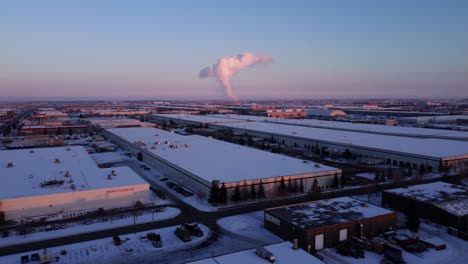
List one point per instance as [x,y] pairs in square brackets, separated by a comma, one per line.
[227,67]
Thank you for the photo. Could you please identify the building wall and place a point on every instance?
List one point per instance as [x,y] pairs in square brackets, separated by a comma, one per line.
[372,226]
[106,198]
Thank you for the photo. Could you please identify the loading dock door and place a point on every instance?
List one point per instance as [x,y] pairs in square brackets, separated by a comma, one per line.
[343,234]
[319,242]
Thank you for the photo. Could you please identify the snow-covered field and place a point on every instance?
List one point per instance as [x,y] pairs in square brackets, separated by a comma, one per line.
[455,253]
[250,226]
[98,224]
[104,251]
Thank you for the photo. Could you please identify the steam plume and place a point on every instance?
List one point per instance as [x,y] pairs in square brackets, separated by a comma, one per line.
[227,67]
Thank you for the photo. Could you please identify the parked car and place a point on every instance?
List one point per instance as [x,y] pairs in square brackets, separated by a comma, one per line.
[160,209]
[183,234]
[155,239]
[164,179]
[35,257]
[24,259]
[87,222]
[183,191]
[171,184]
[117,241]
[194,229]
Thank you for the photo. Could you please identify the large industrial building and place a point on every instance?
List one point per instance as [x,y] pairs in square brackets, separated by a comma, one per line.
[323,223]
[195,161]
[441,202]
[192,120]
[45,181]
[364,128]
[433,154]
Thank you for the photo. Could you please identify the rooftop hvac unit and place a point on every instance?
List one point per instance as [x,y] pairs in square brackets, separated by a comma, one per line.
[57,161]
[10,165]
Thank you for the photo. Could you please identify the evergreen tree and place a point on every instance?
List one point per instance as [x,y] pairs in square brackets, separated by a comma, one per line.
[261,190]
[335,183]
[253,193]
[223,194]
[295,186]
[214,193]
[241,141]
[290,186]
[245,191]
[343,181]
[236,196]
[301,186]
[315,186]
[282,186]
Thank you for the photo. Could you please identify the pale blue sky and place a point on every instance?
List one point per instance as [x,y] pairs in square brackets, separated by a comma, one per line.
[151,49]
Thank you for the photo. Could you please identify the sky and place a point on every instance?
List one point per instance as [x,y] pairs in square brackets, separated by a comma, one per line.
[156,49]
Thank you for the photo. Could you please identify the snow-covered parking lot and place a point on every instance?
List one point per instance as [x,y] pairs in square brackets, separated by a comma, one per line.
[104,251]
[97,224]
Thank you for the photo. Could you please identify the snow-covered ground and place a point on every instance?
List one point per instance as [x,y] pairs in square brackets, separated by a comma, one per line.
[98,224]
[250,226]
[455,253]
[104,251]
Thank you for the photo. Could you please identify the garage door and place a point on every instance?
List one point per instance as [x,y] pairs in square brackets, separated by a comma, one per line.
[343,234]
[319,242]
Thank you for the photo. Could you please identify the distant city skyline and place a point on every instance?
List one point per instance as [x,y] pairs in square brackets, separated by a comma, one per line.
[154,49]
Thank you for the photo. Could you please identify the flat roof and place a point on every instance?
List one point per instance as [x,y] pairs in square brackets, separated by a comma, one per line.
[326,212]
[204,119]
[358,127]
[283,252]
[448,196]
[430,147]
[213,159]
[31,167]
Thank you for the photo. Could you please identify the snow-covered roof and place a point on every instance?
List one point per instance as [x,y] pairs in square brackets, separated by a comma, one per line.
[283,252]
[203,119]
[31,167]
[213,159]
[429,147]
[358,127]
[450,197]
[326,212]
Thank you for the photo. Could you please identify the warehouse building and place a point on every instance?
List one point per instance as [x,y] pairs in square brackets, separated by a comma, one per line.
[321,224]
[196,162]
[190,120]
[427,154]
[441,202]
[364,128]
[45,181]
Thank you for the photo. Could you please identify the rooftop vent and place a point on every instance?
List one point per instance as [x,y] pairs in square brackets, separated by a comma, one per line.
[57,161]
